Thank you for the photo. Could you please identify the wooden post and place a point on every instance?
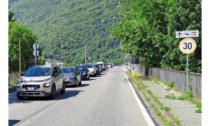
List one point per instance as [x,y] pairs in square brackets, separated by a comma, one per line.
[19,57]
[65,56]
[85,55]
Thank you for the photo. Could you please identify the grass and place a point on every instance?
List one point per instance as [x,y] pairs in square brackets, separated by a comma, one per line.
[171,97]
[167,109]
[189,96]
[12,83]
[186,96]
[198,111]
[154,102]
[168,84]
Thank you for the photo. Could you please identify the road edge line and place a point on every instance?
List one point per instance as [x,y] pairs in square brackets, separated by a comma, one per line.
[140,105]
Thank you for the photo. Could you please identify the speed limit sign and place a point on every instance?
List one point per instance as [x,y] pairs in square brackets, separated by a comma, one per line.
[187,45]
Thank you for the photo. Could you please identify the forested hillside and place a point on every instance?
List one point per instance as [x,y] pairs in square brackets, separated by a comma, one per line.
[68,25]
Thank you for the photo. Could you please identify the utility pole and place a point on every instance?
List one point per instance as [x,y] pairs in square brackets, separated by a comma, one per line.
[64,56]
[19,57]
[85,55]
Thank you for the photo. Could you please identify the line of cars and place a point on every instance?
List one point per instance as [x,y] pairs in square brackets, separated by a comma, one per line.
[48,80]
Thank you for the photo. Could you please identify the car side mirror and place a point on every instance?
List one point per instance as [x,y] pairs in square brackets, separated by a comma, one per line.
[22,73]
[55,74]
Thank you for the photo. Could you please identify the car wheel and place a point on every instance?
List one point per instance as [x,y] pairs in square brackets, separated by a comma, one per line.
[63,89]
[20,97]
[80,83]
[53,93]
[75,84]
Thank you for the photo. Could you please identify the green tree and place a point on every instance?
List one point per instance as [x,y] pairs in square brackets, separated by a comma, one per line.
[27,39]
[141,30]
[11,16]
[147,30]
[182,15]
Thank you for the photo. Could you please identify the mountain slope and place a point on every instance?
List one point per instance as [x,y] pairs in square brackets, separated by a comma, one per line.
[70,25]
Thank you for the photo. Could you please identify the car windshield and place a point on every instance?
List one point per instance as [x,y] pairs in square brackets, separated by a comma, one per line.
[81,68]
[67,70]
[38,71]
[89,66]
[96,66]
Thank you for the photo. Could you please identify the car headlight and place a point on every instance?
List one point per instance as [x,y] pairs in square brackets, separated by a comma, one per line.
[84,73]
[46,84]
[66,79]
[20,81]
[18,85]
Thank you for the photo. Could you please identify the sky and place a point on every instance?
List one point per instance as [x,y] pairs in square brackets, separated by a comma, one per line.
[4,63]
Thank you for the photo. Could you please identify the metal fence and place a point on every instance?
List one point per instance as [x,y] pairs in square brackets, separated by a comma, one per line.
[177,77]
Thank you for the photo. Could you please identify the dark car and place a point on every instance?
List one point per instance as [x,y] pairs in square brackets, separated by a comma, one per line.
[102,65]
[84,72]
[98,69]
[71,76]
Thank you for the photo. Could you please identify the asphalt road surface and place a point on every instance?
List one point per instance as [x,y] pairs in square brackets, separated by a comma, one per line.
[105,100]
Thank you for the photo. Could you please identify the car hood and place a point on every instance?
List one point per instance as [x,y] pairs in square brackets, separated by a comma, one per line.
[35,79]
[82,71]
[68,74]
[91,69]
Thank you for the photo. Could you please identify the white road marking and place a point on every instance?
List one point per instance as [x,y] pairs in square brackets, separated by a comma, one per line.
[140,105]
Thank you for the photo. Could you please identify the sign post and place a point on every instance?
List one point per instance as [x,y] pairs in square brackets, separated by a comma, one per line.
[187,46]
[187,34]
[35,52]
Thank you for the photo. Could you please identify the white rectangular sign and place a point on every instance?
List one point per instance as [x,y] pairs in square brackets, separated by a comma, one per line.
[187,34]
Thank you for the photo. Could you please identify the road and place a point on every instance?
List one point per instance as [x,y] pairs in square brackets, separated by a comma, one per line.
[105,100]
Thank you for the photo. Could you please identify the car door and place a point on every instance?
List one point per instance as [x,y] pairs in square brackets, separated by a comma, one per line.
[56,78]
[88,72]
[77,73]
[60,78]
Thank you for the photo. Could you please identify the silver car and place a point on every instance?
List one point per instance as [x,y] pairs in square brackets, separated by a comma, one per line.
[41,81]
[72,76]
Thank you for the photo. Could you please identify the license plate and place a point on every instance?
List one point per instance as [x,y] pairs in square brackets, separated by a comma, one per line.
[30,88]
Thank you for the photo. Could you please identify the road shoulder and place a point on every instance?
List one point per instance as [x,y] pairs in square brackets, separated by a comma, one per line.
[181,112]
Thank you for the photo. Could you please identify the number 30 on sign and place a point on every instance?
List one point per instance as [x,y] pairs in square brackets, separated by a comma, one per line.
[187,45]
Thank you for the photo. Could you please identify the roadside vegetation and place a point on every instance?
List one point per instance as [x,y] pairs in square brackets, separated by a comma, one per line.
[162,112]
[188,95]
[18,33]
[147,30]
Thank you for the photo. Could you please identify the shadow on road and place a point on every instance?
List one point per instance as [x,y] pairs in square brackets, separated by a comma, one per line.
[91,79]
[13,122]
[97,76]
[100,75]
[69,93]
[82,85]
